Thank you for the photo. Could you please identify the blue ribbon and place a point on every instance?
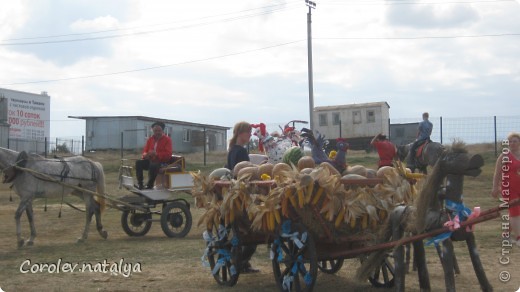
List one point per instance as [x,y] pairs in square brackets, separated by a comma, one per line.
[458,209]
[455,209]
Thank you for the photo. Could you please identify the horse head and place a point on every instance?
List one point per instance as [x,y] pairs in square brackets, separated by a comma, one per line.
[402,151]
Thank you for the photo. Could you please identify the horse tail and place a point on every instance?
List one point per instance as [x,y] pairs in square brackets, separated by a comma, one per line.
[100,187]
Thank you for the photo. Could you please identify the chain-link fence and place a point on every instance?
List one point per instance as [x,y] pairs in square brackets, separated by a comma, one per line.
[73,146]
[471,130]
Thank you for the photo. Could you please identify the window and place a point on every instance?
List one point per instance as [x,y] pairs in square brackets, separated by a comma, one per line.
[336,120]
[186,135]
[356,115]
[371,116]
[323,119]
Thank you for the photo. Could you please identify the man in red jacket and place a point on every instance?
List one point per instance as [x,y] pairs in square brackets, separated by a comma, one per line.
[385,149]
[156,152]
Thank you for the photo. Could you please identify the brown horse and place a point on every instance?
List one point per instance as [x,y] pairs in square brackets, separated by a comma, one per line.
[43,181]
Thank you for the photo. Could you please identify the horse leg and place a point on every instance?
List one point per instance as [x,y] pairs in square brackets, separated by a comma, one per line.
[89,211]
[30,217]
[447,265]
[399,260]
[455,263]
[477,264]
[99,225]
[419,258]
[407,257]
[17,215]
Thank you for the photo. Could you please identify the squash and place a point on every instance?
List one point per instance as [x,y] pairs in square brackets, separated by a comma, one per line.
[332,169]
[266,168]
[251,171]
[241,165]
[279,168]
[306,162]
[371,173]
[356,169]
[306,170]
[221,174]
[352,176]
[385,170]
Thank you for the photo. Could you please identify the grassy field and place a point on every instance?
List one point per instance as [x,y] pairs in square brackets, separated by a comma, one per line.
[165,264]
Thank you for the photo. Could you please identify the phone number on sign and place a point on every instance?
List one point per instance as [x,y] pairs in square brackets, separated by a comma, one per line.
[114,268]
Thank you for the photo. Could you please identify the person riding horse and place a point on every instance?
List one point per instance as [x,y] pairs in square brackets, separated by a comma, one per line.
[423,136]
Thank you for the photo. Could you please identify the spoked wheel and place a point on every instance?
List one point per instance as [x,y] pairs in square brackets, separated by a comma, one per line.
[176,219]
[384,275]
[294,259]
[224,255]
[330,266]
[136,223]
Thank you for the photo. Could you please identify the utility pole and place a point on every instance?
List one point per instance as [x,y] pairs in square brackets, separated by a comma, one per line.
[311,5]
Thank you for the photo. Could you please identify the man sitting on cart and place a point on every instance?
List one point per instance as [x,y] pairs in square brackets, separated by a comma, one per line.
[156,153]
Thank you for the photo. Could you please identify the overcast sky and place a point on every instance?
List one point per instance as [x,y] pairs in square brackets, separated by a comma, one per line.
[219,62]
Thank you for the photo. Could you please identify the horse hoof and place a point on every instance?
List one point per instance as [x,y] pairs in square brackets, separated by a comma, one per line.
[20,243]
[30,243]
[104,234]
[80,240]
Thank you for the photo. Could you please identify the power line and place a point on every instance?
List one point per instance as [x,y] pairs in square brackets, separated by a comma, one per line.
[154,67]
[412,3]
[419,37]
[137,33]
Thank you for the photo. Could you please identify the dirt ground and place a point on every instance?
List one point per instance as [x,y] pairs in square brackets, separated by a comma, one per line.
[159,263]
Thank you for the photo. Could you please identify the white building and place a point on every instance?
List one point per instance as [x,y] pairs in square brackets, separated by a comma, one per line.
[131,132]
[358,123]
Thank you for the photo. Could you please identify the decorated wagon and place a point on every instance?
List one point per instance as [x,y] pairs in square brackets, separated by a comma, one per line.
[311,217]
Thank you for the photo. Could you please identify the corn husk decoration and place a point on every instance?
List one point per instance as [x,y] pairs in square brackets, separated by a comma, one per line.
[349,209]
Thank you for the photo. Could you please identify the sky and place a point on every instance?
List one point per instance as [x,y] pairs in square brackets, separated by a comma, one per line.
[220,62]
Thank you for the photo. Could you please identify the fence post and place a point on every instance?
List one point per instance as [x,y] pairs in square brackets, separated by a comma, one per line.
[122,146]
[72,145]
[495,130]
[204,146]
[82,145]
[441,128]
[389,137]
[45,147]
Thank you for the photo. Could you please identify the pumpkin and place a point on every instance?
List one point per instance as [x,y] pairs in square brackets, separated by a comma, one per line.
[292,155]
[279,168]
[241,165]
[306,162]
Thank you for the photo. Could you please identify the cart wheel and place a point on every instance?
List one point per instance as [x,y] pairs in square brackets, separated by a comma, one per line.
[294,259]
[136,223]
[176,219]
[224,256]
[384,276]
[330,266]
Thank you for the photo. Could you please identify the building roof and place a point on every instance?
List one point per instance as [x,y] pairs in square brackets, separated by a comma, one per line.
[150,119]
[352,105]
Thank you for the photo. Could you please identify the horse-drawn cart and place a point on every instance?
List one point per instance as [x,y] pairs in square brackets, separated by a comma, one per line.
[163,200]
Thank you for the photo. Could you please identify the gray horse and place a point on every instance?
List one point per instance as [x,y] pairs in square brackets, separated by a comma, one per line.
[428,156]
[41,178]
